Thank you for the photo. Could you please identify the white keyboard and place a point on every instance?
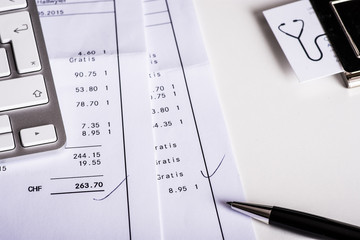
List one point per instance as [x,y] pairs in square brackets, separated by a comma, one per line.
[30,118]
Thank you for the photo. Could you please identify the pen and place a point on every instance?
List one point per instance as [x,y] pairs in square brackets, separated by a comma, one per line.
[298,221]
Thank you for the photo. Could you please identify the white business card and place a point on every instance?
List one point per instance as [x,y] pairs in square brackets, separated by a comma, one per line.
[303,40]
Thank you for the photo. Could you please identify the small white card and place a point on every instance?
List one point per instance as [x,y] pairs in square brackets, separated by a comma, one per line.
[303,40]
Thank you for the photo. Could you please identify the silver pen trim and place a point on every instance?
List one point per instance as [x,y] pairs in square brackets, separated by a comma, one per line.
[259,212]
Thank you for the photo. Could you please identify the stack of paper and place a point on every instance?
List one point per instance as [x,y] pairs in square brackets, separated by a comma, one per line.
[147,155]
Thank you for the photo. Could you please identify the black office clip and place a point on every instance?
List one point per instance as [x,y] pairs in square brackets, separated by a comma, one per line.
[341,22]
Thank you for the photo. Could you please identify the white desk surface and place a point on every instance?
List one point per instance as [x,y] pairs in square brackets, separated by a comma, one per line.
[296,145]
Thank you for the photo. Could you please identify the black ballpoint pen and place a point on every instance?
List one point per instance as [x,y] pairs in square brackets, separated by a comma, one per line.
[300,222]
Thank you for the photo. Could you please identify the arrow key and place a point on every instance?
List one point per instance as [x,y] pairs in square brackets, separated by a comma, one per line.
[38,135]
[22,92]
[16,28]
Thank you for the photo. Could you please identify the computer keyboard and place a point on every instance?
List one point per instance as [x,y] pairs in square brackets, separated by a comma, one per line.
[30,118]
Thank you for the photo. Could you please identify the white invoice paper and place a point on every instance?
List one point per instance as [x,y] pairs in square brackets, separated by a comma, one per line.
[147,154]
[196,172]
[99,185]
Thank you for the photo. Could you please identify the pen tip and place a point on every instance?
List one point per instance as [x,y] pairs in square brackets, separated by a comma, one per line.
[230,203]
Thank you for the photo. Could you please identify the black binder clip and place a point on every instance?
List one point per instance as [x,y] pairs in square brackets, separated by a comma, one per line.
[341,22]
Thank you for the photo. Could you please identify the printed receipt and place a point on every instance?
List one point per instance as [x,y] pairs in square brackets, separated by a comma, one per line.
[135,166]
[97,187]
[196,172]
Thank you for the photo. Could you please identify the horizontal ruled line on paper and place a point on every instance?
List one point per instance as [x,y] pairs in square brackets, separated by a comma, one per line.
[74,177]
[75,192]
[86,146]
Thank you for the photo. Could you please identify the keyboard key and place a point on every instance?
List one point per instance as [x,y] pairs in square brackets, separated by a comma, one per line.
[6,142]
[17,29]
[38,135]
[4,63]
[27,90]
[6,5]
[22,92]
[5,126]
